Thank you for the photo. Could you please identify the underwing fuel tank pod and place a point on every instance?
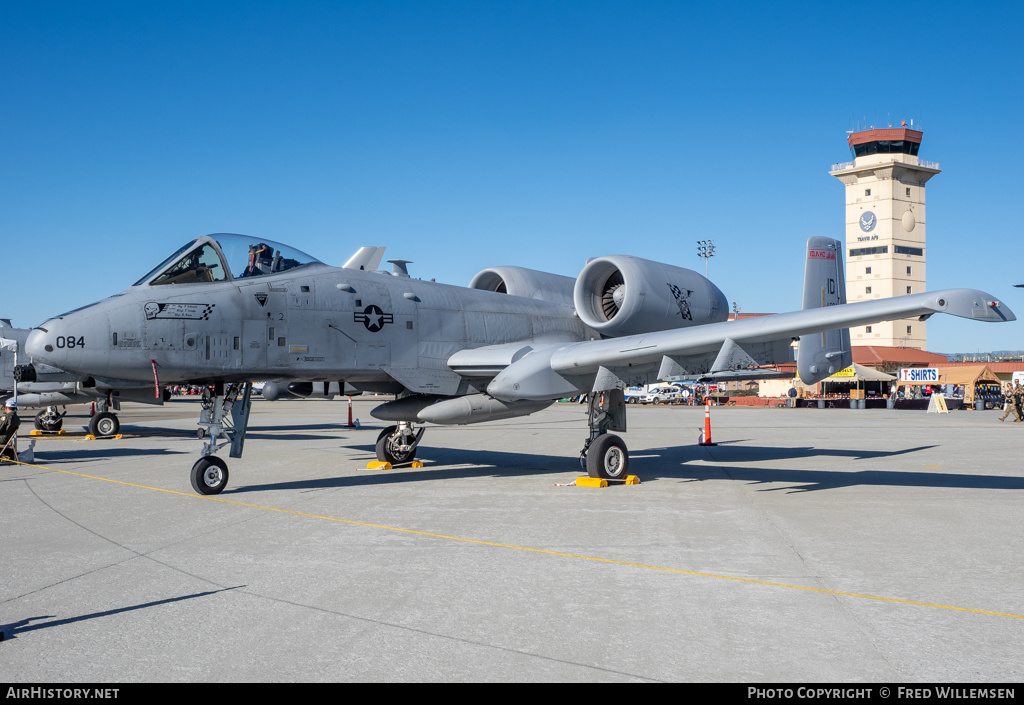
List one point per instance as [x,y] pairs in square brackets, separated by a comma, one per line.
[226,309]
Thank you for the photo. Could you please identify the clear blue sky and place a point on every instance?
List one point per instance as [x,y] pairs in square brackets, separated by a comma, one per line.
[469,134]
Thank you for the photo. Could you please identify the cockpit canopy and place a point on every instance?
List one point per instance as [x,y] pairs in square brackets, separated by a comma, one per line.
[206,259]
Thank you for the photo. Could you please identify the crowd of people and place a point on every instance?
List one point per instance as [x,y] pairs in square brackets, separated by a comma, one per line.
[186,390]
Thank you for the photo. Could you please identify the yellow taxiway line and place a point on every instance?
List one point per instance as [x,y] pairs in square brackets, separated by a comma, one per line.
[561,554]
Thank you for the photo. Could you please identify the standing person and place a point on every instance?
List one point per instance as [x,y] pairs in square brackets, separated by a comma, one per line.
[1017,401]
[9,423]
[1008,402]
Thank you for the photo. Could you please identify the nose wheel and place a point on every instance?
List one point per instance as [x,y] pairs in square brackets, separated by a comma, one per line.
[209,475]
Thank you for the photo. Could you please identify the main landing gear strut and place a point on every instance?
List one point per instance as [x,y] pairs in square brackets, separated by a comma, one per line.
[50,420]
[397,444]
[223,419]
[604,455]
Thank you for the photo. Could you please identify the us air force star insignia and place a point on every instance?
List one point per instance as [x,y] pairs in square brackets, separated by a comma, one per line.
[373,318]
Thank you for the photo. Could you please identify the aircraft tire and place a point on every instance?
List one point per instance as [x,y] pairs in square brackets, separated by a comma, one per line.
[104,424]
[386,451]
[607,458]
[209,475]
[43,424]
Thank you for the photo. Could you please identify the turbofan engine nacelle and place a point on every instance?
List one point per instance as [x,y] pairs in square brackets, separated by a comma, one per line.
[624,295]
[529,283]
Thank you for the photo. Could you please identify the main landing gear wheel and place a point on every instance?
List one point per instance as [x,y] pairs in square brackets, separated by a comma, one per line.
[209,475]
[607,458]
[104,424]
[45,421]
[389,447]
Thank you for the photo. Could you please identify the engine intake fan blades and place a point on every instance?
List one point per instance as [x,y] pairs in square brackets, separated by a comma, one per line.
[609,300]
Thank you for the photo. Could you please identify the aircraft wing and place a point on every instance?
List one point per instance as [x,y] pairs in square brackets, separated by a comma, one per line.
[555,370]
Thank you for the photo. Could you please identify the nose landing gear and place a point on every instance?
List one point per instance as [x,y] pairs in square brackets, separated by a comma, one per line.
[223,420]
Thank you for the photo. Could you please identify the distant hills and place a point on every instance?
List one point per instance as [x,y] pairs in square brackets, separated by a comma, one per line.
[994,356]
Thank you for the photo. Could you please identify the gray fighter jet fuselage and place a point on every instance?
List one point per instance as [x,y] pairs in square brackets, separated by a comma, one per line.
[376,331]
[508,345]
[52,388]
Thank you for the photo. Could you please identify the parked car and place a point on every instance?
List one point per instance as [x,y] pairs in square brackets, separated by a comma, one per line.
[661,395]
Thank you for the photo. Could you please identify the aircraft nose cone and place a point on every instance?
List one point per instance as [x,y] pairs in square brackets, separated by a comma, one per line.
[36,345]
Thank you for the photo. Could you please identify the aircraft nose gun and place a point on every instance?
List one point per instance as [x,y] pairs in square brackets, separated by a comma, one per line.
[25,373]
[43,373]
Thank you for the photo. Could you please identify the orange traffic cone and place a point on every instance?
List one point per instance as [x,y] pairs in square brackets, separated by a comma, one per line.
[351,424]
[705,437]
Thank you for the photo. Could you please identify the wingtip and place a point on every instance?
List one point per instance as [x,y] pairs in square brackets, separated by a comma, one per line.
[974,304]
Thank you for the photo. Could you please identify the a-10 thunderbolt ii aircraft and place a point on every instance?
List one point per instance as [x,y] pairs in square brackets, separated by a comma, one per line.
[55,388]
[224,310]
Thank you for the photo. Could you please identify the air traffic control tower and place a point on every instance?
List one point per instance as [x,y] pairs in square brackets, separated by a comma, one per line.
[885,227]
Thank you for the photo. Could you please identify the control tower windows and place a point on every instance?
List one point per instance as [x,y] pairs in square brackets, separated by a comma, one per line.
[886,147]
[860,251]
[901,250]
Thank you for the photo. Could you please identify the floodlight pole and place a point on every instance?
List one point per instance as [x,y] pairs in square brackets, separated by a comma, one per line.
[706,250]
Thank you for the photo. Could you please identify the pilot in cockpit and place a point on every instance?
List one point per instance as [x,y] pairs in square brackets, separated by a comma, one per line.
[261,260]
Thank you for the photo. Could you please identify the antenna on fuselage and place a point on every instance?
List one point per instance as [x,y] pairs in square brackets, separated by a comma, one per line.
[398,267]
